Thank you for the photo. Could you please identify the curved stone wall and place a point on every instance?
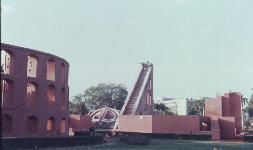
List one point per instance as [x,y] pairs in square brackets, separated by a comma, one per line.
[34,93]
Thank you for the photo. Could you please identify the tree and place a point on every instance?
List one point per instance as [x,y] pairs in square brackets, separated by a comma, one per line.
[163,108]
[247,121]
[249,108]
[160,108]
[77,105]
[250,103]
[194,111]
[198,107]
[168,111]
[243,101]
[157,107]
[95,97]
[105,94]
[202,106]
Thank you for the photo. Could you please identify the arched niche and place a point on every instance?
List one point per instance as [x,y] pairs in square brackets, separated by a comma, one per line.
[32,64]
[63,98]
[7,62]
[63,73]
[51,70]
[31,93]
[51,94]
[7,124]
[63,126]
[51,124]
[32,124]
[7,89]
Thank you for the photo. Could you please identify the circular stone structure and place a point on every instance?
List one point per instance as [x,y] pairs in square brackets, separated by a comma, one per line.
[34,93]
[104,118]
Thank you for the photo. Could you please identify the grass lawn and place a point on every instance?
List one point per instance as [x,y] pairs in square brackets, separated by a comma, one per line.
[156,144]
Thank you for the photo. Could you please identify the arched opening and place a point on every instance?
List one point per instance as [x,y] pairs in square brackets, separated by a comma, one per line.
[31,93]
[51,94]
[7,124]
[7,62]
[7,89]
[63,127]
[32,64]
[63,98]
[63,72]
[51,70]
[32,124]
[51,124]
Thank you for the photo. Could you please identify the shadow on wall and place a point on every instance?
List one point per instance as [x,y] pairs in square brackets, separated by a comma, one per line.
[227,128]
[74,122]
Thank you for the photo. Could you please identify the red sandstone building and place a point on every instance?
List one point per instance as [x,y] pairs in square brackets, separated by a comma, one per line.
[34,93]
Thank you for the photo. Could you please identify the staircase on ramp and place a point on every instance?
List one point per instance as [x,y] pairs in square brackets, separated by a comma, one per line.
[143,86]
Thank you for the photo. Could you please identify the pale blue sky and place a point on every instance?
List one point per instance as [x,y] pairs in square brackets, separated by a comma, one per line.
[198,47]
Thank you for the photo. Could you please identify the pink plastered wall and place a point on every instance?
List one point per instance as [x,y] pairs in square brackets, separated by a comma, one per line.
[213,107]
[175,124]
[74,122]
[159,124]
[80,122]
[235,109]
[135,123]
[227,127]
[228,105]
[85,121]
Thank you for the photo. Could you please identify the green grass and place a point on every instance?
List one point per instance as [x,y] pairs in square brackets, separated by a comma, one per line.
[156,144]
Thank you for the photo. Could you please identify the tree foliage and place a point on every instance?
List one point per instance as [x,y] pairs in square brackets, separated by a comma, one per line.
[244,101]
[105,94]
[160,108]
[101,95]
[247,112]
[77,105]
[194,111]
[199,107]
[249,108]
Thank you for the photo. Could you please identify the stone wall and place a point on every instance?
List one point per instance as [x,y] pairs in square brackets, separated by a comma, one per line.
[34,93]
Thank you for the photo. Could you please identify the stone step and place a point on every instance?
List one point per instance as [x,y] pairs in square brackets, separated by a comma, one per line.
[136,92]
